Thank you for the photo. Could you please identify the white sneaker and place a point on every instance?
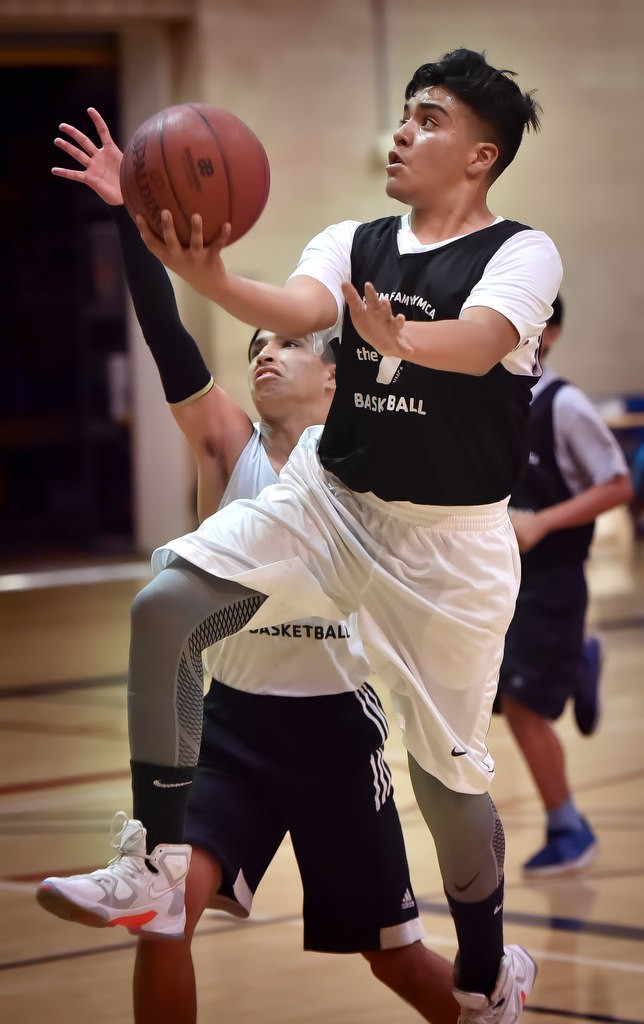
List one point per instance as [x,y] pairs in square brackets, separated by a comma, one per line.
[145,893]
[514,983]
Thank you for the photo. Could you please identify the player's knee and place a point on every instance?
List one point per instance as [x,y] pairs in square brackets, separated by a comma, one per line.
[395,968]
[152,605]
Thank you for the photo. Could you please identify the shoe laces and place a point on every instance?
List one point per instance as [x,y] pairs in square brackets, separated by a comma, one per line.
[125,833]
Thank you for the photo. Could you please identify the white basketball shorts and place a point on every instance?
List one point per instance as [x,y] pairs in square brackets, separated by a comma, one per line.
[434,588]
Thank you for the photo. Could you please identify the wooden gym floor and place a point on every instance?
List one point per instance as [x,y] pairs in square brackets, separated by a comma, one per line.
[64,772]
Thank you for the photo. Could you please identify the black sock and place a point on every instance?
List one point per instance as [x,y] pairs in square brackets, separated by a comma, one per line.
[480,941]
[160,798]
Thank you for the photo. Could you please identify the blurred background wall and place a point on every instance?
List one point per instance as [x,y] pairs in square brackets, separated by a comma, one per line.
[322,86]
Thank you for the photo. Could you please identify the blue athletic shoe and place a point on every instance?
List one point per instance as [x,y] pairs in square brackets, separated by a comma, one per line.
[566,850]
[587,698]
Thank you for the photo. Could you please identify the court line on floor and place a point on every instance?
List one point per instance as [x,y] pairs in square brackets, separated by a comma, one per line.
[45,579]
[225,924]
[605,929]
[61,686]
[64,782]
[578,1015]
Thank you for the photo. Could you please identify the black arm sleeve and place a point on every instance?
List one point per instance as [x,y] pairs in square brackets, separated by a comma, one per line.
[181,366]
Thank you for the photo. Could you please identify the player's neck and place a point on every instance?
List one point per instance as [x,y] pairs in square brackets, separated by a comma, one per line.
[436,224]
[279,437]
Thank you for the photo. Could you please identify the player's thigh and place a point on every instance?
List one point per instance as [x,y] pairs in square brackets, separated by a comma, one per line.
[350,850]
[543,649]
[233,822]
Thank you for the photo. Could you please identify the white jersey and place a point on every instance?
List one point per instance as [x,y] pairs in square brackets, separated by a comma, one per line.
[306,658]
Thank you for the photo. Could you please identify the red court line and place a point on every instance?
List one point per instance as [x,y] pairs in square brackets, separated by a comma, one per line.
[70,780]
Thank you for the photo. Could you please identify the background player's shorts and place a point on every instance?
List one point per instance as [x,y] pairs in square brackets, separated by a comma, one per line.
[433,586]
[313,767]
[543,658]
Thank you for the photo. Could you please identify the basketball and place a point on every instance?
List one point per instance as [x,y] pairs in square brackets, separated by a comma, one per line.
[193,158]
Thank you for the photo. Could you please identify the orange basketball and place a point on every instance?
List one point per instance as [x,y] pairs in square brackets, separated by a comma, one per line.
[193,158]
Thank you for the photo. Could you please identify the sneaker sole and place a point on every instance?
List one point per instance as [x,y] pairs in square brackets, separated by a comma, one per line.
[51,900]
[137,924]
[568,868]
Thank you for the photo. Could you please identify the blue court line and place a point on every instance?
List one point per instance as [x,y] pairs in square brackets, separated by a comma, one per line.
[557,924]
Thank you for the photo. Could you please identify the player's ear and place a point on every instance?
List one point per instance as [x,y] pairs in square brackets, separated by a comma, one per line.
[484,156]
[331,376]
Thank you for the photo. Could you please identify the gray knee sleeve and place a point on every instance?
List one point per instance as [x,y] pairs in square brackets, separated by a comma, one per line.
[468,833]
[174,618]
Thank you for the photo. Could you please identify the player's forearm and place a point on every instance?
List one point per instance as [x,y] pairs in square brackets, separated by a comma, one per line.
[291,311]
[181,366]
[458,346]
[585,507]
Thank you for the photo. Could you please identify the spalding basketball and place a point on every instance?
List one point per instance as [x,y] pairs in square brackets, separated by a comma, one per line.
[193,158]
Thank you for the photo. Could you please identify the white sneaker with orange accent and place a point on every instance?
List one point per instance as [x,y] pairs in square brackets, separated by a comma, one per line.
[517,973]
[144,893]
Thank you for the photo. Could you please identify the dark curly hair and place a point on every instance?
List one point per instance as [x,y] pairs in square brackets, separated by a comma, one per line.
[491,93]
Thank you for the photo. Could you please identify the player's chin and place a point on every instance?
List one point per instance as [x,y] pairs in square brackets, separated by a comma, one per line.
[394,189]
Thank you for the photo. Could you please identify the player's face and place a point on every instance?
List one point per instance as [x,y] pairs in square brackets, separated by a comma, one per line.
[285,373]
[434,147]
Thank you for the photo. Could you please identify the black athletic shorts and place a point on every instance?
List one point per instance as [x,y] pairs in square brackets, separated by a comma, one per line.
[313,767]
[543,656]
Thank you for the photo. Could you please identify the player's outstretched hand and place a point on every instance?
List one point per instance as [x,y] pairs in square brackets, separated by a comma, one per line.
[101,164]
[375,323]
[198,264]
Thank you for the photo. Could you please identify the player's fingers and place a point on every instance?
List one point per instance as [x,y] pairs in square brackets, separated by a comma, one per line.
[384,309]
[66,172]
[352,299]
[153,243]
[79,137]
[196,232]
[73,151]
[224,235]
[99,124]
[169,231]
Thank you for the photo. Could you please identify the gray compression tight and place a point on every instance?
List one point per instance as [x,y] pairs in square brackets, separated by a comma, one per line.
[471,867]
[174,618]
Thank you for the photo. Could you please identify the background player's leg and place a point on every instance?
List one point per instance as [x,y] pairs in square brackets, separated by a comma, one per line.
[164,978]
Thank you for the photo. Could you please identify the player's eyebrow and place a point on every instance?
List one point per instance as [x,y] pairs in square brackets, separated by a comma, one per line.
[429,105]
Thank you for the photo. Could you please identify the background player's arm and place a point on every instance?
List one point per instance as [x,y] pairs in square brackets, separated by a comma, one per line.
[214,425]
[582,508]
[588,448]
[303,306]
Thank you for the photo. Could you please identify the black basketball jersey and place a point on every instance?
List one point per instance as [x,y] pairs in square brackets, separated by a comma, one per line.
[429,436]
[542,484]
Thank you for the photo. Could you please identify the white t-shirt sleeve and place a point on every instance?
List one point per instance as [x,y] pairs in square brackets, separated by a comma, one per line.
[586,450]
[327,258]
[520,281]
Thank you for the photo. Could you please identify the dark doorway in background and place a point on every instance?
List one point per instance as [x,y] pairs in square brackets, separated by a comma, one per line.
[65,463]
